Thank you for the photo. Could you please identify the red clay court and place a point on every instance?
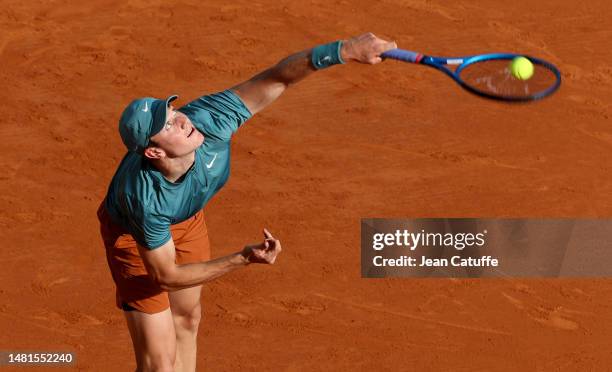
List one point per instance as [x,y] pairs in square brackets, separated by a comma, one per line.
[391,140]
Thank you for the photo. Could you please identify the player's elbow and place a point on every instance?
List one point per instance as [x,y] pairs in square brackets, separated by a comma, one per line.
[161,282]
[277,78]
[166,280]
[165,283]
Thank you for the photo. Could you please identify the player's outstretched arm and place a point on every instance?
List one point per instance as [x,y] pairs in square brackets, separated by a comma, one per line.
[265,87]
[161,266]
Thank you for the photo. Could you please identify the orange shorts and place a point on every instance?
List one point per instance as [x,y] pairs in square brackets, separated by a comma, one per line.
[135,289]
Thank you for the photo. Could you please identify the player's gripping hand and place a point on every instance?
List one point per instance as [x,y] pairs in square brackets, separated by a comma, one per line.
[365,48]
[265,252]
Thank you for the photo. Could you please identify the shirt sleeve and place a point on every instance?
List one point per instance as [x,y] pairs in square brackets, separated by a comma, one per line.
[148,230]
[218,115]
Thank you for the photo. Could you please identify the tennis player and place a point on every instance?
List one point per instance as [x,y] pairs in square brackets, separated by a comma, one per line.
[151,219]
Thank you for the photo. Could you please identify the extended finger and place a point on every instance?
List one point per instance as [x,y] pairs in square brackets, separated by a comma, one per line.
[267,234]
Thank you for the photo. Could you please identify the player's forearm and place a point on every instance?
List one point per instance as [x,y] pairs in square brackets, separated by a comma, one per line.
[189,275]
[291,69]
[264,88]
[298,66]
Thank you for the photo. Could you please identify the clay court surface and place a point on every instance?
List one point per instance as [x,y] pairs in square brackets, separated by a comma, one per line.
[393,140]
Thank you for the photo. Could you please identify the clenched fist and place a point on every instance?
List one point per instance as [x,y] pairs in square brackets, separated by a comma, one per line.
[365,48]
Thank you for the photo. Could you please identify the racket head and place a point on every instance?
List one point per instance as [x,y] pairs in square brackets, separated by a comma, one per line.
[488,75]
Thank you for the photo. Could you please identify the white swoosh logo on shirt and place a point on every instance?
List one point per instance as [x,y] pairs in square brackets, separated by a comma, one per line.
[211,162]
[146,108]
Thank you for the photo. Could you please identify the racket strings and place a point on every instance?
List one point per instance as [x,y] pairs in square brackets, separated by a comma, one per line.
[493,77]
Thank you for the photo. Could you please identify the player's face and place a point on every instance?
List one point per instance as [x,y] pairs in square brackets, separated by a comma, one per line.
[179,136]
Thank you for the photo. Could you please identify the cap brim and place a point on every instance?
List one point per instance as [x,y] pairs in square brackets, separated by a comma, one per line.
[170,99]
[161,115]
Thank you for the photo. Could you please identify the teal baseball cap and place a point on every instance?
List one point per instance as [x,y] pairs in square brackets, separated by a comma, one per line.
[142,119]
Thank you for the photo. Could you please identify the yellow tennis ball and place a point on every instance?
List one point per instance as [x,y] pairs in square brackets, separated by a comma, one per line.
[521,68]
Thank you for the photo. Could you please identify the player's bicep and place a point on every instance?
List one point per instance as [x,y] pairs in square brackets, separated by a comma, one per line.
[160,262]
[259,91]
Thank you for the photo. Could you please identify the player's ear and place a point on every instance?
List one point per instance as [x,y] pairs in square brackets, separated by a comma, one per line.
[154,152]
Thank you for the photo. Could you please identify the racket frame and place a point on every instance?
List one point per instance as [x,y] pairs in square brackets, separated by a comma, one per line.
[440,63]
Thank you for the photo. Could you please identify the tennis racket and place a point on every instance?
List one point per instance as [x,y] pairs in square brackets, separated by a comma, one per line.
[488,75]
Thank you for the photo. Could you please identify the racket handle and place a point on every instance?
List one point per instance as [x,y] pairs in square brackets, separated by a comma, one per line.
[403,55]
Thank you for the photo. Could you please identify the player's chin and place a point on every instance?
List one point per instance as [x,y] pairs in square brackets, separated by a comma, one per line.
[198,138]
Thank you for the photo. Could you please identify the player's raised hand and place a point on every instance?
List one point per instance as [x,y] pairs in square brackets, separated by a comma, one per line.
[365,48]
[265,252]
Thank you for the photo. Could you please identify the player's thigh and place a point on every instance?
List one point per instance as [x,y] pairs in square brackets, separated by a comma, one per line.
[185,303]
[153,336]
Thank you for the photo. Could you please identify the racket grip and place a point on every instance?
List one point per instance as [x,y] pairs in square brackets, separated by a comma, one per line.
[402,55]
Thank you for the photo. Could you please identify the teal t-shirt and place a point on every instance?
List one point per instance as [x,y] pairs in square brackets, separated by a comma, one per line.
[144,203]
